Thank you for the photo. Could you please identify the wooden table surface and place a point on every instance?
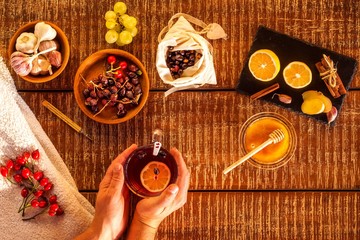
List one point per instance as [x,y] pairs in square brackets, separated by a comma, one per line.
[315,196]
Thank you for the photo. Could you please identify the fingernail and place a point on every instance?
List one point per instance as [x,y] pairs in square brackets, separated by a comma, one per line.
[173,189]
[117,167]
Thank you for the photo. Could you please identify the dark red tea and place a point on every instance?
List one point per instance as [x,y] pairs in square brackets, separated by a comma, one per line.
[139,160]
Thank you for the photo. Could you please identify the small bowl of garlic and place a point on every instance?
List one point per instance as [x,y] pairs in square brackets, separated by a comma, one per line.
[39,51]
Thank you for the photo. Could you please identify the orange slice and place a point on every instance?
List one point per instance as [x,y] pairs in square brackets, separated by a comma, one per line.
[264,65]
[155,176]
[297,75]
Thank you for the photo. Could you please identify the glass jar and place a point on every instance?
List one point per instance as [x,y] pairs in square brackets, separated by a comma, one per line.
[256,130]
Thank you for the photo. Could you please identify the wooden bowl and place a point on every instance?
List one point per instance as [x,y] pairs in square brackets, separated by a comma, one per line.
[64,49]
[90,69]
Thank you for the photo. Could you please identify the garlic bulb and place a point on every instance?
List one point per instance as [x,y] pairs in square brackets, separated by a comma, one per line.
[22,63]
[43,32]
[48,44]
[54,58]
[26,42]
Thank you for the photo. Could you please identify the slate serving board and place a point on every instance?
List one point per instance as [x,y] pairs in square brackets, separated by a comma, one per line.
[290,49]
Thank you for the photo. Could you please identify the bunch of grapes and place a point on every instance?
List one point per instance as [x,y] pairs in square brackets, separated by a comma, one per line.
[121,26]
[36,187]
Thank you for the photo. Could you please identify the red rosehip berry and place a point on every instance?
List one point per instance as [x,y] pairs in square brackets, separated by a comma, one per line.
[111,59]
[38,175]
[44,181]
[18,178]
[34,203]
[24,192]
[123,64]
[35,154]
[60,211]
[4,171]
[17,166]
[26,155]
[52,213]
[9,164]
[38,193]
[48,186]
[42,203]
[25,173]
[118,74]
[21,160]
[54,207]
[53,199]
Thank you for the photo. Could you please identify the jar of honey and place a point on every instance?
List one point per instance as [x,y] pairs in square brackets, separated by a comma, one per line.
[256,130]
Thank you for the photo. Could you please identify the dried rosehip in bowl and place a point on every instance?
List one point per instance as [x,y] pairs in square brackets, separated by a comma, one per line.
[101,84]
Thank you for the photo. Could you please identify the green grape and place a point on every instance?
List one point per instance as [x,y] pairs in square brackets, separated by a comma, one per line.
[120,8]
[119,43]
[133,31]
[111,24]
[125,37]
[111,36]
[110,15]
[118,27]
[130,22]
[123,17]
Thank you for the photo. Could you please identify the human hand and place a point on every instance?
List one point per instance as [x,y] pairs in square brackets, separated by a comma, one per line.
[112,202]
[152,211]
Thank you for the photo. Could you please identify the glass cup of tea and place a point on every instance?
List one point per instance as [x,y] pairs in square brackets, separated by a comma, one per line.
[256,130]
[150,169]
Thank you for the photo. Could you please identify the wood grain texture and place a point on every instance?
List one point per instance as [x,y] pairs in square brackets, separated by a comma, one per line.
[315,196]
[204,126]
[264,215]
[331,24]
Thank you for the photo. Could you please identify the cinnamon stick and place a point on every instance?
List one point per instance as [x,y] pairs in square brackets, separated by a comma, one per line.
[265,91]
[331,78]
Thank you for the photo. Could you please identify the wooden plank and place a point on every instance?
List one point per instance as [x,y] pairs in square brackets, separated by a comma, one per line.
[204,126]
[333,25]
[264,215]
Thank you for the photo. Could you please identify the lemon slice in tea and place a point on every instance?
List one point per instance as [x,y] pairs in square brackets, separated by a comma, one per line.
[264,65]
[297,75]
[155,176]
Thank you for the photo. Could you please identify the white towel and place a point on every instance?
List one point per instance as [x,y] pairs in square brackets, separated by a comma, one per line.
[20,131]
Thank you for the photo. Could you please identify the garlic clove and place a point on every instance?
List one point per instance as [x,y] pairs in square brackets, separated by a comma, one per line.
[283,98]
[331,116]
[48,44]
[44,65]
[20,63]
[35,70]
[54,58]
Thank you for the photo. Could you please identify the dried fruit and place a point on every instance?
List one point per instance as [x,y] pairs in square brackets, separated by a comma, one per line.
[118,87]
[178,61]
